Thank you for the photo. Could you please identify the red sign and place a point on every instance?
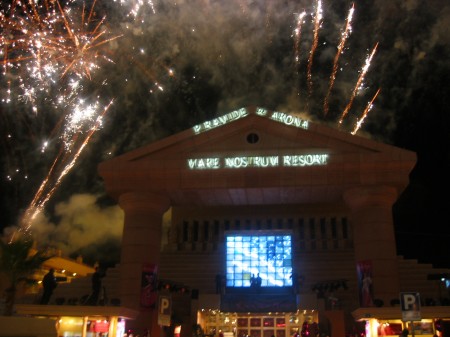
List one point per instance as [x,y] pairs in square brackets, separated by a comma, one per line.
[100,326]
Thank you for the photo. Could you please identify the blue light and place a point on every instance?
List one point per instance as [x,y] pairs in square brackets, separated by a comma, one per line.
[270,256]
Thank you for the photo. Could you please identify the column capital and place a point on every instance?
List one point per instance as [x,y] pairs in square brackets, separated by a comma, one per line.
[370,196]
[144,201]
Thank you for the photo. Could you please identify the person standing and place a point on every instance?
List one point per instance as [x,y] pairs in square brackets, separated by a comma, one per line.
[96,286]
[252,281]
[49,284]
[258,282]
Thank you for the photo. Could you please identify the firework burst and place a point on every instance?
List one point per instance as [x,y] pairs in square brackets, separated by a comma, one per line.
[44,42]
[47,51]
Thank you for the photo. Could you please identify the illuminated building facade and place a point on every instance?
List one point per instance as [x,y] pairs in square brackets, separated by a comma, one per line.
[263,194]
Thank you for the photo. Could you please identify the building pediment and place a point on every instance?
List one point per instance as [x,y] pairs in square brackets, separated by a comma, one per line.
[255,149]
[253,129]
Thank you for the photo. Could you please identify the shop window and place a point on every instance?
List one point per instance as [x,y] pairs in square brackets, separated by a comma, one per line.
[255,333]
[242,333]
[255,322]
[268,322]
[421,328]
[281,322]
[242,322]
[390,329]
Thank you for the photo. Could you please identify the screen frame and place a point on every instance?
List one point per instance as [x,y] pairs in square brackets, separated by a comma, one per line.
[288,281]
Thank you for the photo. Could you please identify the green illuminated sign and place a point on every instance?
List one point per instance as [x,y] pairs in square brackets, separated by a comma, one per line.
[280,117]
[258,161]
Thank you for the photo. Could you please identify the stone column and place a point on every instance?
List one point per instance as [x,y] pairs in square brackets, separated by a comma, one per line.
[141,244]
[374,236]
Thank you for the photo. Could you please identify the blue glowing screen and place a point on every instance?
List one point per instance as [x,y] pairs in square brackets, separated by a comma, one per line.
[270,256]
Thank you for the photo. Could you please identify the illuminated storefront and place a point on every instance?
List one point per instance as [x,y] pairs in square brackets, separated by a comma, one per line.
[388,322]
[81,321]
[248,324]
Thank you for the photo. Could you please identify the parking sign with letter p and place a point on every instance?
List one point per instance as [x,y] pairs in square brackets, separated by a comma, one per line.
[410,303]
[164,310]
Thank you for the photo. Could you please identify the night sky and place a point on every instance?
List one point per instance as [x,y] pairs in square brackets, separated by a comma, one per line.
[172,65]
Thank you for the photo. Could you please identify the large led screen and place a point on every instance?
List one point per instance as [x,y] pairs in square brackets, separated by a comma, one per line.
[269,255]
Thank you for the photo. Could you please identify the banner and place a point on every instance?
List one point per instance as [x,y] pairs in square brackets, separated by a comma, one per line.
[365,283]
[149,286]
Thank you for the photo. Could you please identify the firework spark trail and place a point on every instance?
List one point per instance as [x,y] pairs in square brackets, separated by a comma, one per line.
[364,115]
[358,83]
[345,35]
[69,159]
[317,25]
[297,35]
[48,47]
